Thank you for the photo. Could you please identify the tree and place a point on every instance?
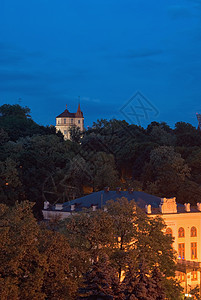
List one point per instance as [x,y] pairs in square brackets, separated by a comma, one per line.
[187,135]
[139,285]
[16,121]
[90,232]
[11,185]
[195,292]
[21,265]
[35,262]
[75,134]
[125,234]
[59,281]
[167,170]
[100,280]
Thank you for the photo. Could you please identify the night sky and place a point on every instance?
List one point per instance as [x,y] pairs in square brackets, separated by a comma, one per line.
[138,60]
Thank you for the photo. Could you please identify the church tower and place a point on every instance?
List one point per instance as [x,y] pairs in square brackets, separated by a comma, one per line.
[66,120]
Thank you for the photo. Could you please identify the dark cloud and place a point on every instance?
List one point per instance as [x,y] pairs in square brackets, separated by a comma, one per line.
[139,53]
[10,55]
[6,76]
[179,11]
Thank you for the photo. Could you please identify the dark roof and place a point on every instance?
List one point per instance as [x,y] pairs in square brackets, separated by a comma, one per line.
[67,114]
[100,198]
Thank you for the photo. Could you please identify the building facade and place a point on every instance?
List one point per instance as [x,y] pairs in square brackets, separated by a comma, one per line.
[66,120]
[183,223]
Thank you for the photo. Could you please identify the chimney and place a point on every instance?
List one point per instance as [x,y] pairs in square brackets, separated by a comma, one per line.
[118,190]
[148,208]
[106,189]
[72,207]
[46,205]
[199,206]
[59,206]
[187,207]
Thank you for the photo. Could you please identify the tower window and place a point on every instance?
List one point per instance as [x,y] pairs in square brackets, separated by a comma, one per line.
[64,121]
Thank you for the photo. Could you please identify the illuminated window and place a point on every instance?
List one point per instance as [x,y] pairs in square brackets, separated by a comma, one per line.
[181,250]
[194,275]
[193,250]
[181,232]
[182,276]
[193,231]
[168,231]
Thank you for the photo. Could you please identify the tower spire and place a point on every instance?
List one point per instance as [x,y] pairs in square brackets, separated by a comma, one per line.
[79,112]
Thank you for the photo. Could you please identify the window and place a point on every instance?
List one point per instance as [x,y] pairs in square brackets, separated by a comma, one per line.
[71,121]
[168,231]
[78,121]
[64,121]
[193,231]
[181,250]
[181,232]
[193,250]
[65,131]
[182,276]
[194,275]
[58,122]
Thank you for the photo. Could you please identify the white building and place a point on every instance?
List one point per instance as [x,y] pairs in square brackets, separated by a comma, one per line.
[66,120]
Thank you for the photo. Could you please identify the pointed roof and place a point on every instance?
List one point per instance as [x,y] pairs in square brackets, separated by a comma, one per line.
[67,114]
[79,113]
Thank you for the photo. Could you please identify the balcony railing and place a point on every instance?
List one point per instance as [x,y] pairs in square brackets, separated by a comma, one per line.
[188,265]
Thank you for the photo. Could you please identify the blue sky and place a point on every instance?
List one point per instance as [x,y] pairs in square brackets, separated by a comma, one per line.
[52,52]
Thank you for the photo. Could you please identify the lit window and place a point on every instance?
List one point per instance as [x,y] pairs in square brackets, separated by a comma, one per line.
[64,121]
[168,231]
[194,275]
[193,250]
[193,231]
[181,250]
[182,276]
[181,232]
